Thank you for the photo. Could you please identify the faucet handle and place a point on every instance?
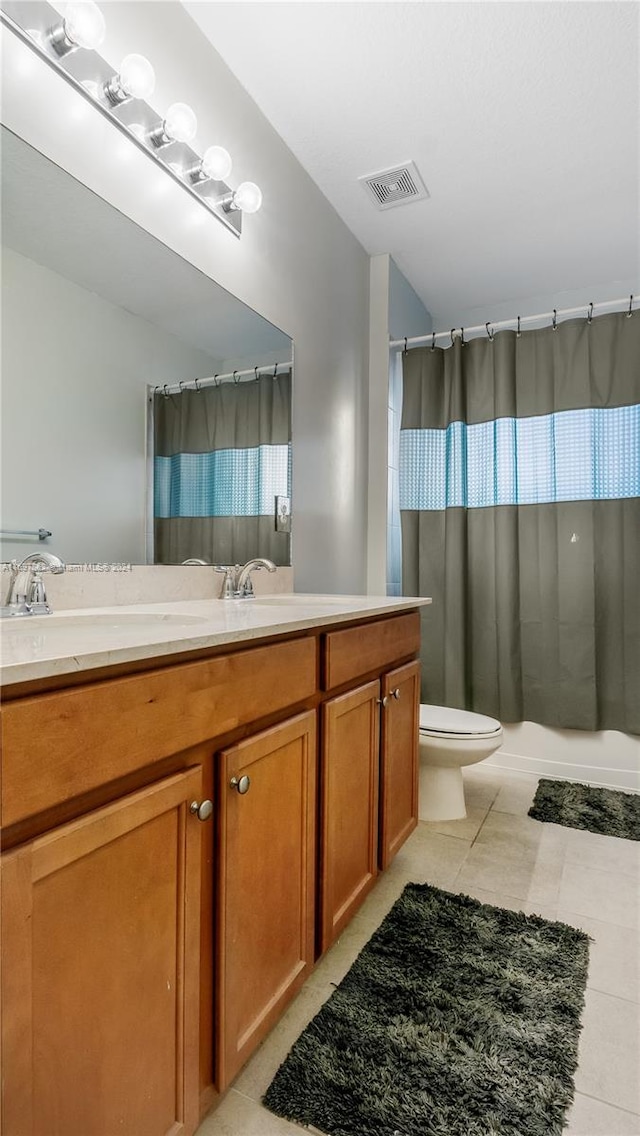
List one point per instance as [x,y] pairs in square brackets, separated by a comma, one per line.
[246,591]
[37,593]
[229,582]
[37,599]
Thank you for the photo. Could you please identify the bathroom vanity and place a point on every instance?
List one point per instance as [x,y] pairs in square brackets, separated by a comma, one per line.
[196,799]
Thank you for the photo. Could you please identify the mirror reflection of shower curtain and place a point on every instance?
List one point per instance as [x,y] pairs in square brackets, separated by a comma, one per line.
[520,505]
[222,454]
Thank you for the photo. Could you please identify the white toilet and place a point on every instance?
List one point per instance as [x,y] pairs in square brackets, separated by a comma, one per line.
[450,739]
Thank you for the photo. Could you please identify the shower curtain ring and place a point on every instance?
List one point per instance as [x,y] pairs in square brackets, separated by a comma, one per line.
[489,333]
[165,390]
[197,385]
[181,385]
[236,380]
[555,320]
[405,346]
[590,313]
[452,331]
[629,313]
[462,342]
[433,341]
[255,371]
[518,332]
[275,371]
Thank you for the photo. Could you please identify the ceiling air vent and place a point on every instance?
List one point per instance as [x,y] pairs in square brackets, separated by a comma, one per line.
[396,186]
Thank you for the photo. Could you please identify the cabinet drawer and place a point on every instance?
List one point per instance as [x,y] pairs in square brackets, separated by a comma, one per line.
[371,646]
[58,746]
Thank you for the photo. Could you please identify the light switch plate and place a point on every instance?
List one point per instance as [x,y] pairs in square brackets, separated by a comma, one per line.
[283,514]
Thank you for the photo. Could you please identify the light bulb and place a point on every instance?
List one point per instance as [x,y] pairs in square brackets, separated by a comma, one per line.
[180,123]
[137,77]
[135,80]
[216,163]
[247,197]
[82,25]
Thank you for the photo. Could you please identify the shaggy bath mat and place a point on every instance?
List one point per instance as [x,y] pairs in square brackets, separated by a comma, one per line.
[607,811]
[456,1019]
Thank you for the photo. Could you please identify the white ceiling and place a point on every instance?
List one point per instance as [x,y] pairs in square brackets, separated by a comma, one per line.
[522,118]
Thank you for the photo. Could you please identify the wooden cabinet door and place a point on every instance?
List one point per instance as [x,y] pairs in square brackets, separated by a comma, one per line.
[100,943]
[349,773]
[266,883]
[399,759]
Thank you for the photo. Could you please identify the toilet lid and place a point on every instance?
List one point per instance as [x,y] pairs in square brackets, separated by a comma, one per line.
[445,720]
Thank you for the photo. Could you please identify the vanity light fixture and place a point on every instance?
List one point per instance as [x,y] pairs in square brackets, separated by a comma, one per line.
[135,80]
[179,125]
[81,26]
[66,37]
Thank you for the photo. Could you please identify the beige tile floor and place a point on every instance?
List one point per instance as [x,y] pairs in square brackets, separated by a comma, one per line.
[499,855]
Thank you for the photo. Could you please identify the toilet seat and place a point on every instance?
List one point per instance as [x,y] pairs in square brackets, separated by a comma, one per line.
[445,722]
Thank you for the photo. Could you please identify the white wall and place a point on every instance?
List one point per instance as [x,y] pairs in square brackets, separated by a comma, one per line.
[394,310]
[407,314]
[296,264]
[378,424]
[534,305]
[606,758]
[59,471]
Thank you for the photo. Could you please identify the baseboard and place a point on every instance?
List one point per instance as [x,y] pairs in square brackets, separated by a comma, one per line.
[606,777]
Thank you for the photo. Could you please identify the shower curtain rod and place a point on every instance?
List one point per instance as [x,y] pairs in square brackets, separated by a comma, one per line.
[214,380]
[516,321]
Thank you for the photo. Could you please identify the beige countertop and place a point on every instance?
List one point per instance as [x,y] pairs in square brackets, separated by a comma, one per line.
[67,642]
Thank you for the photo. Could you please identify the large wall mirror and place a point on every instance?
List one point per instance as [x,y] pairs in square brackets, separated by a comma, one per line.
[97,315]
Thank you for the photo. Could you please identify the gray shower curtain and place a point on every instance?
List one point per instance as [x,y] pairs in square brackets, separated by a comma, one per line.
[520,508]
[221,455]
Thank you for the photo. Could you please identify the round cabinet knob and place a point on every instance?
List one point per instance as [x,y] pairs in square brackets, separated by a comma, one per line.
[240,784]
[203,810]
[382,701]
[396,693]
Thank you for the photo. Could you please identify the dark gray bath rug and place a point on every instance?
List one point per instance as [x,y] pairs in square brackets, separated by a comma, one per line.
[607,811]
[456,1019]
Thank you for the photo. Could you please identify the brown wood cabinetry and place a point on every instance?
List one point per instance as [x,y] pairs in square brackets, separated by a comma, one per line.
[63,744]
[399,759]
[144,954]
[266,874]
[368,763]
[349,806]
[100,937]
[352,651]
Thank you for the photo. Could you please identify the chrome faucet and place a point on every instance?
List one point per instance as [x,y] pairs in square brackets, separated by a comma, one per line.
[245,586]
[27,595]
[237,583]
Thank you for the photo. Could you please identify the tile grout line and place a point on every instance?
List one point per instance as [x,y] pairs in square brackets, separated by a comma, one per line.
[454,882]
[617,871]
[472,844]
[484,821]
[605,871]
[619,1107]
[608,994]
[568,914]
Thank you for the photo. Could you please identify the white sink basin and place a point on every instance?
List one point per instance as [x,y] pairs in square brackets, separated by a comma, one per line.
[103,621]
